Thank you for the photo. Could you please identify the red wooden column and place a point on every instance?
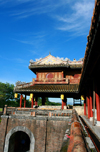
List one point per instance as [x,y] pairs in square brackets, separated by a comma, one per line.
[94,102]
[63,104]
[21,100]
[32,102]
[62,76]
[91,107]
[25,101]
[63,100]
[88,103]
[37,76]
[97,107]
[85,106]
[36,103]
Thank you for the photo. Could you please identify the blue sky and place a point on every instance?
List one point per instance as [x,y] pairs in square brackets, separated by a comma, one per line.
[30,29]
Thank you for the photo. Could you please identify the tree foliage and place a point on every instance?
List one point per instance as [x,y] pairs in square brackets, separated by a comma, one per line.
[7,97]
[6,93]
[47,102]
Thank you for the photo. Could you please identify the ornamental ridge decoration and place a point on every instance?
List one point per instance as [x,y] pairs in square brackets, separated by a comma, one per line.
[51,60]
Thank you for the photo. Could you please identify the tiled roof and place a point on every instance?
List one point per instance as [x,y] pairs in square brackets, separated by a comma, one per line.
[74,66]
[92,31]
[53,62]
[49,88]
[95,22]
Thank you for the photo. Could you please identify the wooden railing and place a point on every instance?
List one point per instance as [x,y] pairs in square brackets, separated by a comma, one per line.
[23,85]
[47,81]
[50,80]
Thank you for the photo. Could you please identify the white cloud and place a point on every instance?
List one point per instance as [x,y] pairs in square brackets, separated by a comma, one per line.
[69,15]
[34,7]
[78,20]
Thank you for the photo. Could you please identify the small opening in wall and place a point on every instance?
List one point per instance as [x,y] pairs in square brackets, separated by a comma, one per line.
[19,142]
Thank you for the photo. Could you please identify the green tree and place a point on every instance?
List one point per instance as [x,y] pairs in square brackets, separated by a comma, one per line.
[6,93]
[39,101]
[51,103]
[47,102]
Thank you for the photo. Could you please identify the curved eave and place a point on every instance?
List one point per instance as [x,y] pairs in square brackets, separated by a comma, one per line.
[72,88]
[35,68]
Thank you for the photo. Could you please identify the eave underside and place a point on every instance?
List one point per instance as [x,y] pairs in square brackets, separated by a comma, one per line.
[91,65]
[36,68]
[70,90]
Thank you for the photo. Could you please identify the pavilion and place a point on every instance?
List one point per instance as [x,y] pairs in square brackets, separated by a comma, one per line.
[55,77]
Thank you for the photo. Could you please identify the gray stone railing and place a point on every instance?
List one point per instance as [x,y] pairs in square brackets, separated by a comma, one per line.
[36,112]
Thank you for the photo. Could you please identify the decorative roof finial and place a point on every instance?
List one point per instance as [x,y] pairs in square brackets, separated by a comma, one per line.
[49,53]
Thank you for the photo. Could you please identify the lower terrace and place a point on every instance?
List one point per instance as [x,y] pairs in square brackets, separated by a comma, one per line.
[72,127]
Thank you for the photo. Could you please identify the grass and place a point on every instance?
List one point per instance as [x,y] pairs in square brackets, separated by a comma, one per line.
[1,109]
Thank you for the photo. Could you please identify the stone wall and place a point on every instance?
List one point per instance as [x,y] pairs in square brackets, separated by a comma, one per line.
[55,135]
[47,132]
[3,126]
[49,107]
[79,109]
[36,126]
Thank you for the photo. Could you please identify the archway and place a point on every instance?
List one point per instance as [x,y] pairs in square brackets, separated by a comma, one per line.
[19,142]
[25,133]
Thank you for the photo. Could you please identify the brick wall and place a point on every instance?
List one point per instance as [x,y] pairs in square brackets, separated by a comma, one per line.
[55,135]
[37,127]
[3,125]
[48,134]
[79,109]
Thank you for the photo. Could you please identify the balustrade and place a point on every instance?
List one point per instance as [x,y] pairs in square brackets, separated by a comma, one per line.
[48,81]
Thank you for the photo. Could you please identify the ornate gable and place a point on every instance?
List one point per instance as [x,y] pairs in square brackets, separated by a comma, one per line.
[50,60]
